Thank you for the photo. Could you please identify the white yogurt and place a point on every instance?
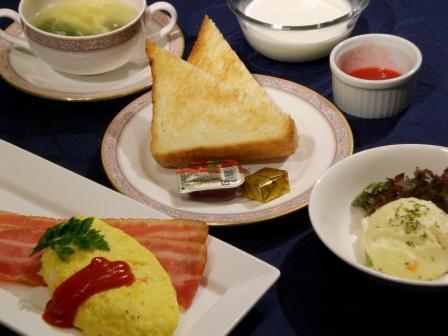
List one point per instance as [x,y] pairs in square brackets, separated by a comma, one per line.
[297,12]
[293,46]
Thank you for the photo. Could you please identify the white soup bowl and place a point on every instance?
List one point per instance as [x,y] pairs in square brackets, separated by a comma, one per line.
[91,54]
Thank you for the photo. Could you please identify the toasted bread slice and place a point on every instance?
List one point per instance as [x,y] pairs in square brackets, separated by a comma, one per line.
[213,54]
[199,117]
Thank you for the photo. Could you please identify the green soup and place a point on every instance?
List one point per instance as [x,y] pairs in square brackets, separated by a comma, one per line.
[84,17]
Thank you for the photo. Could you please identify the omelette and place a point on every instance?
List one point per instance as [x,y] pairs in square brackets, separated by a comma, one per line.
[146,307]
[407,238]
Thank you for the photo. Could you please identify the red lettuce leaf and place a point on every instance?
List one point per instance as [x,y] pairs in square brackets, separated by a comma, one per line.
[424,185]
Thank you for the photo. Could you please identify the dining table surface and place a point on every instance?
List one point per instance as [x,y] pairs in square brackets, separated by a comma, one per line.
[316,293]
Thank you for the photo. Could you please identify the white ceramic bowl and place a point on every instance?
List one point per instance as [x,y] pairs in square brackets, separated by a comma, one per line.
[338,224]
[295,43]
[374,98]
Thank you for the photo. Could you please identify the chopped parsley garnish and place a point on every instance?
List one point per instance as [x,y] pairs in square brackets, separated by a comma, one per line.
[411,226]
[424,185]
[410,243]
[369,262]
[74,232]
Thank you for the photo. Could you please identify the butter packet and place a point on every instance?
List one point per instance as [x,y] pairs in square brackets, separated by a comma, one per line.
[209,175]
[266,184]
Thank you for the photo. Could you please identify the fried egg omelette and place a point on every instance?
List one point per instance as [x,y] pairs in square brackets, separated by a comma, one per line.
[146,307]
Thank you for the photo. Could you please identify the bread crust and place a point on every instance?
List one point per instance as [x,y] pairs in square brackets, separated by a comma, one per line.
[250,152]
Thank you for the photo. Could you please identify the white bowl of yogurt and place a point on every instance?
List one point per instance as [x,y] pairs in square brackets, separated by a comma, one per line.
[296,30]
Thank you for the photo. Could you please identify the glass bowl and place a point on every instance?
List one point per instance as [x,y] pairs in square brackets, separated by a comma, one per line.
[295,43]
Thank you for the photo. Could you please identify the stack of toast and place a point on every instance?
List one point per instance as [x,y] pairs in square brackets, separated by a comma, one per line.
[210,107]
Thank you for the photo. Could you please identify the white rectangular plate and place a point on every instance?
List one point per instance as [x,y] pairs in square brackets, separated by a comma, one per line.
[233,281]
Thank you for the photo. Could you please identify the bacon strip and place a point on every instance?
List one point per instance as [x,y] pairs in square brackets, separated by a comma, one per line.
[183,259]
[10,220]
[15,264]
[176,229]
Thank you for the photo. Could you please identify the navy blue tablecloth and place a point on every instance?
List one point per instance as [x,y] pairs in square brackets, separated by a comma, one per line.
[317,294]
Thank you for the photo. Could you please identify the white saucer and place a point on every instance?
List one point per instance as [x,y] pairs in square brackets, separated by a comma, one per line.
[27,73]
[324,138]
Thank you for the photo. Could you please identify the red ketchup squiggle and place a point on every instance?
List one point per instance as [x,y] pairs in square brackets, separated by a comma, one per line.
[100,275]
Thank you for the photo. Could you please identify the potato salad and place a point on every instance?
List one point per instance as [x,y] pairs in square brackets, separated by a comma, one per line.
[407,238]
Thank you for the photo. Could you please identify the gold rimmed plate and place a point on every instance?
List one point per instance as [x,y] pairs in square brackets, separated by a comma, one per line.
[29,74]
[324,138]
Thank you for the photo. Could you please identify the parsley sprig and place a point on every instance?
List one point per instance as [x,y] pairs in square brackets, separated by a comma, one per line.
[75,232]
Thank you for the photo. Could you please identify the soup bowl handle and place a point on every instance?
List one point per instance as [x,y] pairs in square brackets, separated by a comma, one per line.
[161,6]
[13,15]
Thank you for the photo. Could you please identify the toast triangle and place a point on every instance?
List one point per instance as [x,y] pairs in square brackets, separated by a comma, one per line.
[199,117]
[213,54]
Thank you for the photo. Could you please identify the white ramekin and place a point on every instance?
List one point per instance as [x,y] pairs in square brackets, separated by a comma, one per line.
[374,98]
